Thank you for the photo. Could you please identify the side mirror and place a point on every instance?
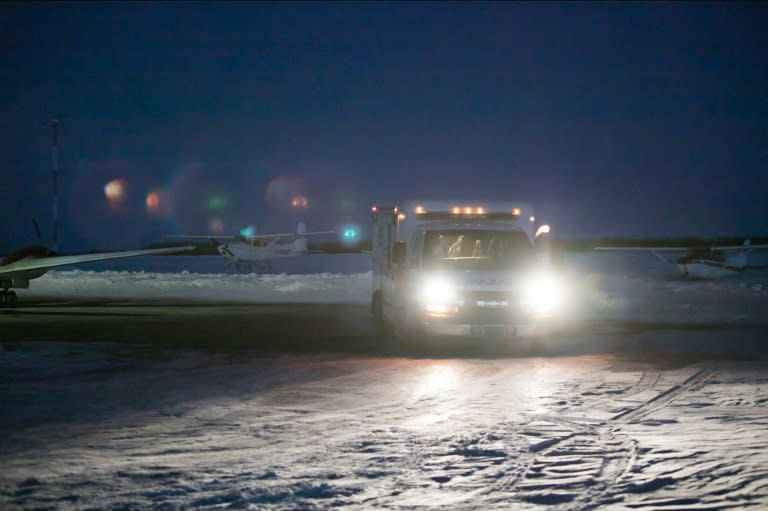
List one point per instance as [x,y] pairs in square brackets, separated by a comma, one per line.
[398,252]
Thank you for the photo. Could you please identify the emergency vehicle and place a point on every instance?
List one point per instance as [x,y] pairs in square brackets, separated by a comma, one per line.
[465,268]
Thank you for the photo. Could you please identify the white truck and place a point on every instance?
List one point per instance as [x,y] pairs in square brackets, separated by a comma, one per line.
[465,268]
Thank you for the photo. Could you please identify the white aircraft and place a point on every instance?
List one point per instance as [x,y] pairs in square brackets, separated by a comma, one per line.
[31,262]
[260,248]
[703,262]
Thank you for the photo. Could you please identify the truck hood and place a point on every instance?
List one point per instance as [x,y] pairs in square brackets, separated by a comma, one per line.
[484,280]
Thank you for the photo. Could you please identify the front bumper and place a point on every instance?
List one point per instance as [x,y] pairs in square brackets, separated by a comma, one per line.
[535,329]
[464,327]
[482,314]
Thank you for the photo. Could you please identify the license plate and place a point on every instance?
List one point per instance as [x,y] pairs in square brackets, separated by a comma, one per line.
[495,331]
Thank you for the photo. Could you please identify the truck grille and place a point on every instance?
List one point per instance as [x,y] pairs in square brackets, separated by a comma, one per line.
[488,307]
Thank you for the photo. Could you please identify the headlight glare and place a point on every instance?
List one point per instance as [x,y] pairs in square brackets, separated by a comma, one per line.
[437,290]
[542,294]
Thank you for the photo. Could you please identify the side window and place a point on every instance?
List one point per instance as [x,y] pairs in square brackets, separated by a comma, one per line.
[414,252]
[382,244]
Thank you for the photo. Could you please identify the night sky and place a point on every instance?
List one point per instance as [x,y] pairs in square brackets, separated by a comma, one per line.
[612,119]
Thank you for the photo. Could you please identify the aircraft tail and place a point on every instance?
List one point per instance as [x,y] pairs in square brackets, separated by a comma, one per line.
[300,244]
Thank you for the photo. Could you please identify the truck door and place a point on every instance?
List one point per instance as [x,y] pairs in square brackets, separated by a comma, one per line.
[383,238]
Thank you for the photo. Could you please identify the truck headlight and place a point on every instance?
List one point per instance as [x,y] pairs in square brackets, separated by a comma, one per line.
[542,294]
[438,295]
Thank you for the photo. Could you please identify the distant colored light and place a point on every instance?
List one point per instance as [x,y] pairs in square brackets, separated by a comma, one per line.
[217,202]
[299,202]
[419,210]
[481,211]
[248,231]
[216,224]
[115,190]
[349,234]
[532,218]
[455,211]
[467,210]
[374,209]
[516,211]
[401,216]
[153,202]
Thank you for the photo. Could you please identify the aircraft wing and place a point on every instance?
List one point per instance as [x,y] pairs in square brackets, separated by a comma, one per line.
[740,247]
[292,235]
[682,249]
[203,237]
[287,235]
[653,250]
[638,249]
[43,263]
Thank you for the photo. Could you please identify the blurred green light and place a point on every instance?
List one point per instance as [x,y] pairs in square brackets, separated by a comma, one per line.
[217,202]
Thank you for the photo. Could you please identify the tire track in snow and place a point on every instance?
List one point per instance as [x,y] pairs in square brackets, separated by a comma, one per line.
[576,464]
[572,464]
[661,400]
[365,452]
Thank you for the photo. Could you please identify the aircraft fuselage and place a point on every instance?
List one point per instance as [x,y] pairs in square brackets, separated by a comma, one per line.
[245,252]
[706,269]
[21,278]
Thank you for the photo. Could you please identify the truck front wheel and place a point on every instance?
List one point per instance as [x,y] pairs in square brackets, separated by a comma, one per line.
[377,306]
[380,324]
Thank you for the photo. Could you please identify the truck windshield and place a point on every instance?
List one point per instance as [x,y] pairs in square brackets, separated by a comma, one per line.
[481,250]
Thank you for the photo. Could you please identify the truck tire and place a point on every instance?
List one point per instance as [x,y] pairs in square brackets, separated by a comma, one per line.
[381,326]
[377,307]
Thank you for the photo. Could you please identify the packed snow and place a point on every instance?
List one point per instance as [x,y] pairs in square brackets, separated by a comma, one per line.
[114,426]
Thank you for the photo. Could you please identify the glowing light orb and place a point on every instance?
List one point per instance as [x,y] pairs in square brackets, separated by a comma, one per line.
[248,231]
[349,234]
[216,224]
[299,202]
[115,190]
[283,190]
[153,202]
[217,202]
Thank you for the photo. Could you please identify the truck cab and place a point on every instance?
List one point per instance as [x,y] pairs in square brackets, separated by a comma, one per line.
[463,268]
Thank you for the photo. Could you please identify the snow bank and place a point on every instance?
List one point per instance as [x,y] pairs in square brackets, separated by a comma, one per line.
[598,286]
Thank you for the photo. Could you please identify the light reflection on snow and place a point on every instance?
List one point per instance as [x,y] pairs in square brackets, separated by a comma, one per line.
[439,378]
[199,431]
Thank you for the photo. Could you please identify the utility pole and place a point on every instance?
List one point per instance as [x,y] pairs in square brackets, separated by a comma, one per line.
[55,156]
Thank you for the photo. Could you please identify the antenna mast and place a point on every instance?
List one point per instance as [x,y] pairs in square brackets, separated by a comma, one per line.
[55,156]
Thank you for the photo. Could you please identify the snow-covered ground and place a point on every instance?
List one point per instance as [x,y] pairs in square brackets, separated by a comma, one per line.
[599,286]
[110,426]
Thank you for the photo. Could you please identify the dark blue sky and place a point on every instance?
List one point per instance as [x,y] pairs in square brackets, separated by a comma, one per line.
[640,120]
